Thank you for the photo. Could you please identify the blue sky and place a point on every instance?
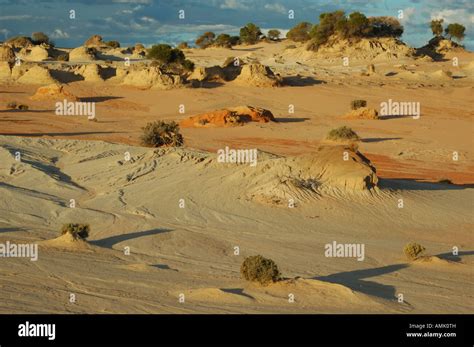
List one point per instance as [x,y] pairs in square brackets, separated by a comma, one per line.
[156,21]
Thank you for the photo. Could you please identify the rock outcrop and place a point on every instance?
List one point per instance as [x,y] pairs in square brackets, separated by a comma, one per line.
[82,54]
[55,91]
[258,75]
[34,74]
[152,77]
[229,117]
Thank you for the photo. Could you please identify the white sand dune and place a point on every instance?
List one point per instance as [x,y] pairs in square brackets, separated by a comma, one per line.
[135,205]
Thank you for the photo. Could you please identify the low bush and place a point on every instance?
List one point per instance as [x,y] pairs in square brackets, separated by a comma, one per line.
[160,133]
[343,133]
[259,269]
[355,104]
[78,231]
[413,250]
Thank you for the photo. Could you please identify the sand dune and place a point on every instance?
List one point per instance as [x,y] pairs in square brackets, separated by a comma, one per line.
[189,250]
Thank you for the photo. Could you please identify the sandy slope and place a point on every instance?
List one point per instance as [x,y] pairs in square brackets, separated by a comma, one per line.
[135,204]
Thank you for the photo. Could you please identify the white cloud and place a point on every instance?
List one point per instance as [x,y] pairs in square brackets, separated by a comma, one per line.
[454,16]
[408,15]
[18,17]
[59,34]
[279,8]
[234,5]
[148,19]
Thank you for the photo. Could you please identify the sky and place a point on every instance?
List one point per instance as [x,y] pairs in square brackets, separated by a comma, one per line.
[157,21]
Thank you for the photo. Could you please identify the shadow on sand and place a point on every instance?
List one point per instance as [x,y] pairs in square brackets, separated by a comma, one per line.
[291,120]
[301,81]
[380,139]
[113,240]
[354,280]
[100,98]
[451,257]
[414,184]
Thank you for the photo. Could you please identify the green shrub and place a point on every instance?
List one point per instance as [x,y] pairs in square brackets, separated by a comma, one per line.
[259,269]
[165,54]
[160,133]
[300,32]
[274,34]
[78,231]
[355,104]
[188,65]
[342,133]
[223,40]
[455,30]
[206,39]
[413,250]
[437,27]
[250,34]
[39,38]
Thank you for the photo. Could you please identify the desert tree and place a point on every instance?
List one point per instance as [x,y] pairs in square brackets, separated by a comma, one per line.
[300,32]
[223,40]
[274,34]
[456,30]
[39,38]
[437,26]
[250,34]
[206,39]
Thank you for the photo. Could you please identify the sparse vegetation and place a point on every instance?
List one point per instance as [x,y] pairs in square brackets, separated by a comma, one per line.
[23,107]
[250,34]
[413,250]
[167,56]
[259,269]
[437,27]
[274,34]
[160,133]
[39,38]
[456,30]
[355,104]
[223,40]
[343,133]
[78,231]
[300,32]
[205,40]
[355,26]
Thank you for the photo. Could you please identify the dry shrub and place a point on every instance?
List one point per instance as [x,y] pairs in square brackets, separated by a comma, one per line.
[259,269]
[160,133]
[78,231]
[413,250]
